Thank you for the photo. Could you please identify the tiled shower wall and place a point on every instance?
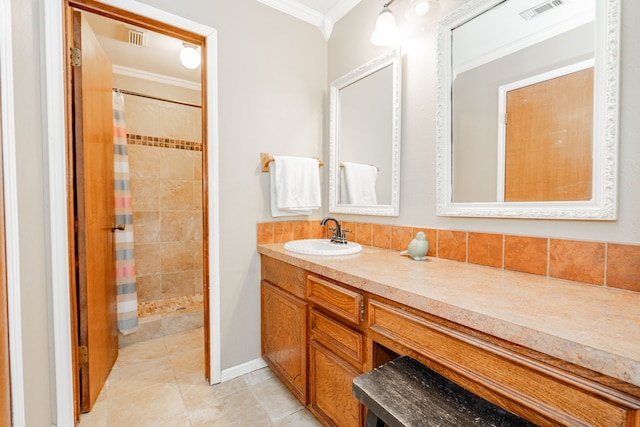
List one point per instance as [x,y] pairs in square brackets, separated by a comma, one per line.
[165,158]
[606,264]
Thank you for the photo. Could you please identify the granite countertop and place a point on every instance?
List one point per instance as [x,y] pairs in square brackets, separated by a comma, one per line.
[591,326]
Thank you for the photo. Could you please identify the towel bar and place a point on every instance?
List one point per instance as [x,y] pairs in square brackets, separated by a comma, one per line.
[265,159]
[377,168]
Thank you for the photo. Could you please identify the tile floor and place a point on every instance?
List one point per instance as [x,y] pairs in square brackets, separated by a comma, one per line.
[160,383]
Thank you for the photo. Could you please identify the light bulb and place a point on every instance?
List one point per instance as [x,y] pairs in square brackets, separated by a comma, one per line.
[421,7]
[386,32]
[190,57]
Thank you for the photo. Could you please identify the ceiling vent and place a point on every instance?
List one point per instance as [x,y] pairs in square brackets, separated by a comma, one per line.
[540,9]
[137,37]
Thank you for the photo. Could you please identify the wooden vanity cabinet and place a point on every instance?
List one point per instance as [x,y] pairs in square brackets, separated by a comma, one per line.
[284,324]
[537,387]
[336,352]
[318,334]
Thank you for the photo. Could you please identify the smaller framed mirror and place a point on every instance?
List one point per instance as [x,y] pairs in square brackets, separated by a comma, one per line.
[365,138]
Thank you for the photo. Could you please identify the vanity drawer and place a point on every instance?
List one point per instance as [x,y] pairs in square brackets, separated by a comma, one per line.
[342,302]
[340,339]
[283,275]
[532,389]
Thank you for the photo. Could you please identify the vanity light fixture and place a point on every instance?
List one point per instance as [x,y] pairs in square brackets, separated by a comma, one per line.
[386,31]
[190,55]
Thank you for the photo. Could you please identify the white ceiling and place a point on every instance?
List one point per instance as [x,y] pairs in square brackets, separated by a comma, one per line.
[158,59]
[501,30]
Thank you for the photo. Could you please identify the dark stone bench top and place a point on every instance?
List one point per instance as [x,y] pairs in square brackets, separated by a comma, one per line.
[404,392]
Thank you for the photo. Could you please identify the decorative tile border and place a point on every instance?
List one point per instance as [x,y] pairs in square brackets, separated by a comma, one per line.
[604,264]
[170,305]
[154,141]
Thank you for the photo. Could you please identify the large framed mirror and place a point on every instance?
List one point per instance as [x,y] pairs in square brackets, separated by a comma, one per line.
[527,109]
[365,138]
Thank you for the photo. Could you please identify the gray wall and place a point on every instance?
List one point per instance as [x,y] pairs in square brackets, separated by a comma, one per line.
[273,76]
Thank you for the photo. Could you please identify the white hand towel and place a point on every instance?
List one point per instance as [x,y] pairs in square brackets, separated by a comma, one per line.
[295,185]
[344,194]
[361,183]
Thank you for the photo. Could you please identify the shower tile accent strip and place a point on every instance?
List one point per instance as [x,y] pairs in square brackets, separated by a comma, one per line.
[154,141]
[170,305]
[605,264]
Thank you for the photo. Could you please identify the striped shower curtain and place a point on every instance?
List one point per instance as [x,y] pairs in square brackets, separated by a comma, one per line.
[125,261]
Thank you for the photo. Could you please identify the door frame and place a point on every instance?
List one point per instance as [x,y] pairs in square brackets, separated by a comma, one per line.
[10,209]
[58,229]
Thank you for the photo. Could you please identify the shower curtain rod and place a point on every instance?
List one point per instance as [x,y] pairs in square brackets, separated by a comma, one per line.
[127,92]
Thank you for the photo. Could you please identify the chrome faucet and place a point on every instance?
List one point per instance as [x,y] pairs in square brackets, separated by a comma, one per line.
[337,235]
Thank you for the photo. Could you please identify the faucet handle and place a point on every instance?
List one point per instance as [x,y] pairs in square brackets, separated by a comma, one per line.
[341,238]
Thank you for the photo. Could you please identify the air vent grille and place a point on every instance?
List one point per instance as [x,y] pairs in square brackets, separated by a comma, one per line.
[137,38]
[540,9]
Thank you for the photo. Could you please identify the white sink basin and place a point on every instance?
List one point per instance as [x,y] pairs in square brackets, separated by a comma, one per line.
[322,247]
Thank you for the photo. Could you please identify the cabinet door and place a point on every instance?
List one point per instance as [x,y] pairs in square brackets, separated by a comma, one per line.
[284,337]
[330,388]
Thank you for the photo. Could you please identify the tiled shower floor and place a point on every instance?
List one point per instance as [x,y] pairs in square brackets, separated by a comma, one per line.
[160,382]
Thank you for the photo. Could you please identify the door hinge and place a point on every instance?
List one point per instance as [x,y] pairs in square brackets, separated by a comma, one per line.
[76,57]
[83,354]
[362,311]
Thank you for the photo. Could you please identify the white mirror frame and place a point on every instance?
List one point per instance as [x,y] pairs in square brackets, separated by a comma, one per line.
[604,202]
[394,58]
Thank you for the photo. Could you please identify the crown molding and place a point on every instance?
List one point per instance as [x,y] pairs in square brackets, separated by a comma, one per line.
[159,78]
[324,22]
[340,9]
[296,10]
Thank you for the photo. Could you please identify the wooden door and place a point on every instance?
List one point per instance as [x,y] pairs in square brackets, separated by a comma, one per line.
[5,373]
[93,145]
[549,139]
[284,339]
[330,396]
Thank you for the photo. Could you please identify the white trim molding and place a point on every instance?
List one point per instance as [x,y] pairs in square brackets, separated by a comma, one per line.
[10,208]
[57,252]
[296,9]
[56,227]
[153,77]
[242,369]
[324,21]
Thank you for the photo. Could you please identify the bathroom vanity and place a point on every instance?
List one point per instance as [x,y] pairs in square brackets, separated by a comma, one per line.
[555,352]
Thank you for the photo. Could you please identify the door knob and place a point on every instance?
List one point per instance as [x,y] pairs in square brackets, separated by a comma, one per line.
[117,227]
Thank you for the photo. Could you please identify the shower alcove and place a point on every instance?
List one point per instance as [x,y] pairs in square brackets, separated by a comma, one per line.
[165,165]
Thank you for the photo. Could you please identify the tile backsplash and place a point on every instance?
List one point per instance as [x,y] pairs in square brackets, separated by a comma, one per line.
[604,264]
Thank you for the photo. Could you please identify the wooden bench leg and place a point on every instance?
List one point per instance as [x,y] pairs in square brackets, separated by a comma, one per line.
[373,420]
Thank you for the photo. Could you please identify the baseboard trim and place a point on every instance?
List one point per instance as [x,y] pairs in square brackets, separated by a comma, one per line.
[244,368]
